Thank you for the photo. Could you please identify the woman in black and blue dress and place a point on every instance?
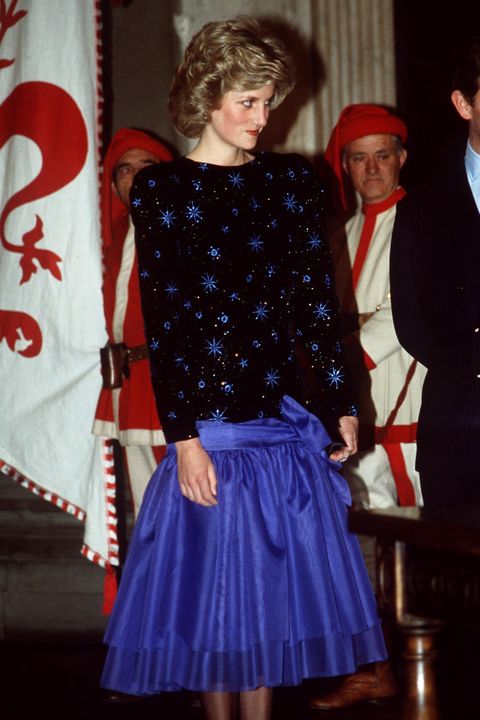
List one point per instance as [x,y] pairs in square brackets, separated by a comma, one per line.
[241,574]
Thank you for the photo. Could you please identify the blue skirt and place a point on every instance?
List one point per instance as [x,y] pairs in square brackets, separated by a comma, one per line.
[264,589]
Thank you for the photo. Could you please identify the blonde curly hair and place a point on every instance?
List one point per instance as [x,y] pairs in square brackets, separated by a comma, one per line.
[239,54]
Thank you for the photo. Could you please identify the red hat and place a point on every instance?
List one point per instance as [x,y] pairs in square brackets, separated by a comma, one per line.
[112,208]
[356,121]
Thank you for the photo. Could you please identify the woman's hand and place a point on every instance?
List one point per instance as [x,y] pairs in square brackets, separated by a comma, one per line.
[196,474]
[348,427]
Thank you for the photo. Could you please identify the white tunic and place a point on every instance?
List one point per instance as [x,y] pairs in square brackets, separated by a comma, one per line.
[390,392]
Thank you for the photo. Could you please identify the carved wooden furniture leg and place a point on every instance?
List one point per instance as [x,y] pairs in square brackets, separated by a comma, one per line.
[419,655]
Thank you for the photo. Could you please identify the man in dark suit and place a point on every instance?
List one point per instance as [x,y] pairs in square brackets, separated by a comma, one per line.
[435,285]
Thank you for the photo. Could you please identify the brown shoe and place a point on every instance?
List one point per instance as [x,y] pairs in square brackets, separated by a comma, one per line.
[373,686]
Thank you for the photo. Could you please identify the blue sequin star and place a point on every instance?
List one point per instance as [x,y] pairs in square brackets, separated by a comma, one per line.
[218,415]
[272,377]
[209,282]
[167,217]
[335,377]
[236,179]
[314,241]
[171,290]
[256,243]
[290,202]
[322,311]
[260,312]
[193,212]
[214,347]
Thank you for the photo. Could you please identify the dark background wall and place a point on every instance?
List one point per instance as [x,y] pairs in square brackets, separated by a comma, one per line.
[428,37]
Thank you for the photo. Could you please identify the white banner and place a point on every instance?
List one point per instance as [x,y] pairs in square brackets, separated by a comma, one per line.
[51,308]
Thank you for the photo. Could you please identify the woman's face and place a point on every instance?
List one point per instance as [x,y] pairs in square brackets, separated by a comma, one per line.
[241,117]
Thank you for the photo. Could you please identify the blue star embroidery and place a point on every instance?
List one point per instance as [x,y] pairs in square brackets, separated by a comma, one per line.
[290,202]
[322,311]
[214,347]
[154,345]
[260,312]
[335,377]
[243,363]
[203,166]
[167,217]
[256,243]
[225,229]
[136,202]
[144,274]
[193,212]
[171,290]
[234,296]
[179,361]
[272,377]
[209,282]
[197,184]
[314,241]
[236,179]
[274,223]
[218,415]
[187,304]
[172,415]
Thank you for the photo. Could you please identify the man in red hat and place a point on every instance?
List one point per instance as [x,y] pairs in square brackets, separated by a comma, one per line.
[366,153]
[126,408]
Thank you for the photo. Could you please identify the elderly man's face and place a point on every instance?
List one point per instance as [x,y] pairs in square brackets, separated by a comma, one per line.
[127,167]
[374,163]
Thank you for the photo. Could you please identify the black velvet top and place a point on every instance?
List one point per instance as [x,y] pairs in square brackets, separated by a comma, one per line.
[237,290]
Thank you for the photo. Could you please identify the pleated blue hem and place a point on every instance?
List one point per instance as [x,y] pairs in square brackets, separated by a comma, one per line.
[267,588]
[144,672]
